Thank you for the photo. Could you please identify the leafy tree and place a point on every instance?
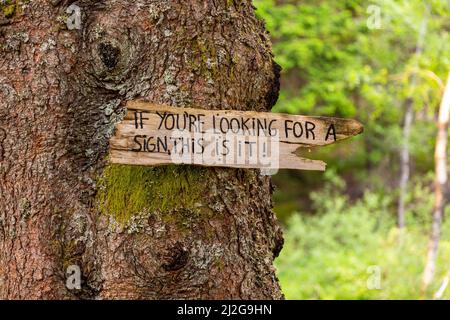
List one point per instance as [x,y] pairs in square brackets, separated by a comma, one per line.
[334,64]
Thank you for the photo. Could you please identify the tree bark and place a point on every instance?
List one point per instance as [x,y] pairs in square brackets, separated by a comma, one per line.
[135,232]
[440,162]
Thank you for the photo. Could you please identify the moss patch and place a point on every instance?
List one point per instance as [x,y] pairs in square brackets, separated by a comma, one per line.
[9,8]
[174,192]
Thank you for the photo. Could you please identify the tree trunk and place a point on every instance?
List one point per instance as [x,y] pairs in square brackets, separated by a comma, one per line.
[135,232]
[440,163]
[404,162]
[406,132]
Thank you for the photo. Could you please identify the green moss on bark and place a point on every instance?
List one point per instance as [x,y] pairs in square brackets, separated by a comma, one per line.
[9,8]
[173,192]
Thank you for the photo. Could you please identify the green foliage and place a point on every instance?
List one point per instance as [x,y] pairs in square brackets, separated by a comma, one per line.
[334,64]
[336,253]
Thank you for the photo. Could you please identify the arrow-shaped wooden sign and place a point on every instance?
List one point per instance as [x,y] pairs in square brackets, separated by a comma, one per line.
[152,134]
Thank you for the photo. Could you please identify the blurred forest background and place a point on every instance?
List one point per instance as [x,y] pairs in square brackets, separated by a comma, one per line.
[385,63]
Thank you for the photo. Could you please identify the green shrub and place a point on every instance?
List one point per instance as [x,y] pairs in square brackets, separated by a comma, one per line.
[335,253]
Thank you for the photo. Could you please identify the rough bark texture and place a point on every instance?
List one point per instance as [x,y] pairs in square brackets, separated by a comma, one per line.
[144,233]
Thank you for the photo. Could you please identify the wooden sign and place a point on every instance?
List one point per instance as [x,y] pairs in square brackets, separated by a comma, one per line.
[152,134]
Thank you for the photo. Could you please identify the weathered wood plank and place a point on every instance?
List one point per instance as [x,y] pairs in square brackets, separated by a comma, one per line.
[153,134]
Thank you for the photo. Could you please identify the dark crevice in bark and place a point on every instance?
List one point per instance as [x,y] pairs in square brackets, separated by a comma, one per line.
[109,54]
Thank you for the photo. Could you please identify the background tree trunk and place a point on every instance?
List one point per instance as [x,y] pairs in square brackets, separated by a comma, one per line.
[405,166]
[440,163]
[144,233]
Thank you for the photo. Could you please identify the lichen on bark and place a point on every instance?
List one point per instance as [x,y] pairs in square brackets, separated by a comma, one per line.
[8,8]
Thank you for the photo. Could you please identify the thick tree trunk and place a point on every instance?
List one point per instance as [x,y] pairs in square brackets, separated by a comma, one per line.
[440,163]
[145,233]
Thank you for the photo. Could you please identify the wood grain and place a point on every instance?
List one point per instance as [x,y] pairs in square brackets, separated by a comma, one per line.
[147,136]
